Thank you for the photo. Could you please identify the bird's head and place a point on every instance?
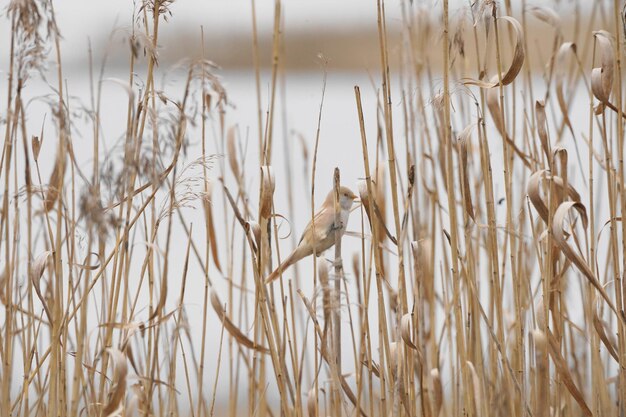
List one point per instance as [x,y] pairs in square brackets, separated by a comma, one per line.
[346,198]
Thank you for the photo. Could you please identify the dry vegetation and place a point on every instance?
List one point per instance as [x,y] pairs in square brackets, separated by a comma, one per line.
[484,285]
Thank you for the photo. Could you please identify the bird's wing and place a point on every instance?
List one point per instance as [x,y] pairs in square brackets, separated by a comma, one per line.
[321,232]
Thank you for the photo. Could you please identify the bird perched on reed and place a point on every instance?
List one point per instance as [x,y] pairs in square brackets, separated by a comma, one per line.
[324,236]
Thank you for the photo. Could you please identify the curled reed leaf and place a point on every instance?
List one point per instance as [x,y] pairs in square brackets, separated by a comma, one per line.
[36,272]
[241,338]
[516,63]
[267,191]
[405,329]
[602,77]
[117,392]
[560,237]
[534,191]
[87,267]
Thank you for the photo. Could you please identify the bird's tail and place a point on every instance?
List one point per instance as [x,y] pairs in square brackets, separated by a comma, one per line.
[291,259]
[274,275]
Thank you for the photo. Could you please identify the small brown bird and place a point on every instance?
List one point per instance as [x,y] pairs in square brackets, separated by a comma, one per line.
[324,236]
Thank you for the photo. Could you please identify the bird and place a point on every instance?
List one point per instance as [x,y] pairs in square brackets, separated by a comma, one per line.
[324,236]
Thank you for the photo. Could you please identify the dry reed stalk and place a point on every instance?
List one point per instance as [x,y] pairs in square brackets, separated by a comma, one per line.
[504,229]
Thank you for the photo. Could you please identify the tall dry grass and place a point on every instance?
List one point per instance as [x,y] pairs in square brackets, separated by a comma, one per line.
[488,276]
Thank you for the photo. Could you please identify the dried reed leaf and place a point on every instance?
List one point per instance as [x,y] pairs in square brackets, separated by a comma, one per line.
[53,191]
[547,15]
[364,196]
[254,228]
[601,327]
[117,392]
[561,240]
[124,84]
[543,372]
[476,389]
[3,278]
[602,77]
[36,147]
[86,266]
[542,127]
[162,298]
[423,259]
[395,354]
[241,338]
[405,329]
[559,75]
[371,206]
[493,104]
[566,378]
[380,206]
[231,146]
[540,314]
[140,397]
[559,162]
[311,402]
[327,356]
[534,191]
[267,191]
[356,267]
[372,366]
[210,225]
[464,137]
[516,63]
[435,380]
[39,266]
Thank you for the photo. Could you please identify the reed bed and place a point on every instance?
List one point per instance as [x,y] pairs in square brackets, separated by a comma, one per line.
[482,273]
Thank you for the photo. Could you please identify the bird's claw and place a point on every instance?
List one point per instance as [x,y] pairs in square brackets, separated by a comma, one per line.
[338,263]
